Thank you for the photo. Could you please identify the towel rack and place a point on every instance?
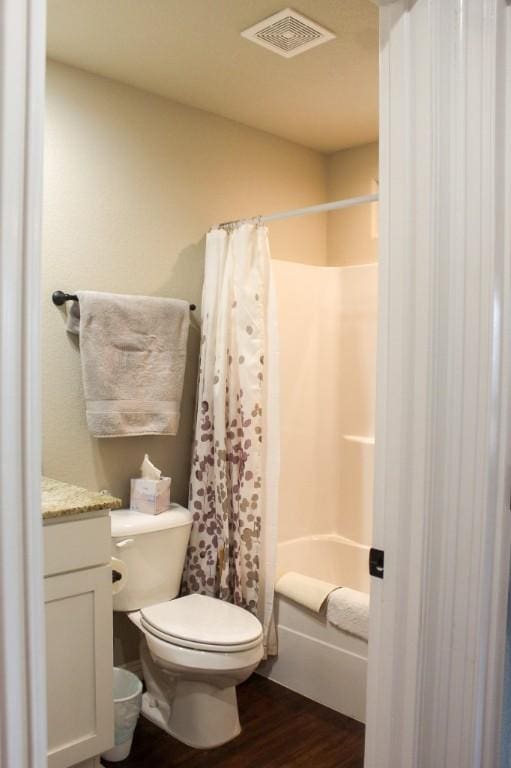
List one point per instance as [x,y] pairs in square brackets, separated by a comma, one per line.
[59,298]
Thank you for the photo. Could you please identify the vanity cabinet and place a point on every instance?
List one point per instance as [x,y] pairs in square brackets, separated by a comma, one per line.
[78,606]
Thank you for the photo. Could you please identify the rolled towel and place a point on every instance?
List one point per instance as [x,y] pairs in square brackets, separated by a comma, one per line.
[304,590]
[133,352]
[348,609]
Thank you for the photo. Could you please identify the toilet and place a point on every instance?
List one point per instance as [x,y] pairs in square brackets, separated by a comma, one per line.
[196,649]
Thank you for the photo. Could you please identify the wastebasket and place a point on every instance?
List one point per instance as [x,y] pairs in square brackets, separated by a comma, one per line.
[127,704]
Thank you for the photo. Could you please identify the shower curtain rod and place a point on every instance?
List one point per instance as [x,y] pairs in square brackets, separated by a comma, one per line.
[323,208]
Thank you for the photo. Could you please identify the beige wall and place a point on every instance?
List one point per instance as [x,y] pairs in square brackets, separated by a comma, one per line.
[132,183]
[328,379]
[352,233]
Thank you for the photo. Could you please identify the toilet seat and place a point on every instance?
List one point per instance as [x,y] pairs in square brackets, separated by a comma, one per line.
[202,623]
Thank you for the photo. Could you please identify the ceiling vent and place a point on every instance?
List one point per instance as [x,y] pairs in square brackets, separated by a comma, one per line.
[288,33]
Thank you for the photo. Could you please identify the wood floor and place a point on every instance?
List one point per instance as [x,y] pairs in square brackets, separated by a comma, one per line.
[280,729]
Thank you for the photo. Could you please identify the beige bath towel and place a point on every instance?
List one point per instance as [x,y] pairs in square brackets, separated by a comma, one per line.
[304,590]
[133,351]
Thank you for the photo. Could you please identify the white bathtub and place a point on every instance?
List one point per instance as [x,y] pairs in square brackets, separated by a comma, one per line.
[316,659]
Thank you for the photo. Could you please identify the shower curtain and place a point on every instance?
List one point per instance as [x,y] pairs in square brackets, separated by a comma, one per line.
[235,459]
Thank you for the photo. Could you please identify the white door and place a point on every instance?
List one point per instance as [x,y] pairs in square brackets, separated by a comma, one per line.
[442,484]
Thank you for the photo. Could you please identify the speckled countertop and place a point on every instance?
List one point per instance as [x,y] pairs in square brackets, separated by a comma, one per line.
[60,499]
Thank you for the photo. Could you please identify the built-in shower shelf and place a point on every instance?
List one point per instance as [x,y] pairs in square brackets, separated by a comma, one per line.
[365,440]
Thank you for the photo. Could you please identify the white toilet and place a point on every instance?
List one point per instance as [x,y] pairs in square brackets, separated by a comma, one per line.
[194,649]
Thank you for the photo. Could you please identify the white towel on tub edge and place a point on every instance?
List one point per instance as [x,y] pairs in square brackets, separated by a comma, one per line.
[348,609]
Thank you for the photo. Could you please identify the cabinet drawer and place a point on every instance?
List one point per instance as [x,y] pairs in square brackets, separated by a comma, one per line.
[76,544]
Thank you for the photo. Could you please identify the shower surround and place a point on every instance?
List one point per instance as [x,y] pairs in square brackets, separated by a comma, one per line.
[327,329]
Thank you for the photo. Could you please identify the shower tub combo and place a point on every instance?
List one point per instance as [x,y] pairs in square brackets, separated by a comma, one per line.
[327,383]
[315,658]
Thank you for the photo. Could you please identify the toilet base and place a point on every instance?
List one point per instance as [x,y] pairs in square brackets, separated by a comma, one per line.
[201,716]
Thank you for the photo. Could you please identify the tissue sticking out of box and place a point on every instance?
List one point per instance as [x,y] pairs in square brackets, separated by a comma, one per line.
[148,470]
[151,492]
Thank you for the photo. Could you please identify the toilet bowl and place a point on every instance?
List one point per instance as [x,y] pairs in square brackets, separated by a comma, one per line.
[196,649]
[194,653]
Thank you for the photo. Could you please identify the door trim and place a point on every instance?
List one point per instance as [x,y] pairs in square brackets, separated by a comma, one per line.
[22,694]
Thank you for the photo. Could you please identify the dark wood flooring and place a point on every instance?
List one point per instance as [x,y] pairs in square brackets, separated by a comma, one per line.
[280,729]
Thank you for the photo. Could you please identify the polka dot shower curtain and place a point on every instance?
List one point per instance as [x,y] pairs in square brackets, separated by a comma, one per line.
[234,472]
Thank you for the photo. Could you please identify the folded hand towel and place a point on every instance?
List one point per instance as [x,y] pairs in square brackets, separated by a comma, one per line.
[348,609]
[133,352]
[304,590]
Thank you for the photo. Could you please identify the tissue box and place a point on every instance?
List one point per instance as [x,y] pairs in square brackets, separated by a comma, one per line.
[150,496]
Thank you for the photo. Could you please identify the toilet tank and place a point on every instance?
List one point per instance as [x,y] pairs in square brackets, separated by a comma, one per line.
[152,549]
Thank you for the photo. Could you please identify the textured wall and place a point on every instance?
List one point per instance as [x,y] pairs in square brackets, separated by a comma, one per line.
[132,184]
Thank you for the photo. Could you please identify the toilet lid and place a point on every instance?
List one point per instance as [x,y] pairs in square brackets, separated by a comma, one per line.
[203,623]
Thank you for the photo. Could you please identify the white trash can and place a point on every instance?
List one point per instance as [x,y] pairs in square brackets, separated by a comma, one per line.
[127,704]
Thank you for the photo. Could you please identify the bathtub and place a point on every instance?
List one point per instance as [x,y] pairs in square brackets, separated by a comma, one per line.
[316,659]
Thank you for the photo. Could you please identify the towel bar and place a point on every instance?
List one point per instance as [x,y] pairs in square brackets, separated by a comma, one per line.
[59,298]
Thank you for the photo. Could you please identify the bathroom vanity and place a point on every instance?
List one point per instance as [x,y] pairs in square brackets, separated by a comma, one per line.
[78,608]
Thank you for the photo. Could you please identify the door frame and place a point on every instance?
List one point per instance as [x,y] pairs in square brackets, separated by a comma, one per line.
[442,479]
[22,694]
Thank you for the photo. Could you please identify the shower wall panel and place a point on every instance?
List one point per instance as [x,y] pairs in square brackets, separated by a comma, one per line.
[327,328]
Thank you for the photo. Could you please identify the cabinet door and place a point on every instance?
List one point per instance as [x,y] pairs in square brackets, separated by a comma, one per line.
[79,665]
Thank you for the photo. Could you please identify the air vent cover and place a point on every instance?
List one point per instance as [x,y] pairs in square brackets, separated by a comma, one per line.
[288,33]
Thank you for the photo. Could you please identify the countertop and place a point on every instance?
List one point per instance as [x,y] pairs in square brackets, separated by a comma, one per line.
[60,499]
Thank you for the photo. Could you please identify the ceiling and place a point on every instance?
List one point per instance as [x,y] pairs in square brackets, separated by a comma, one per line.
[191,51]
